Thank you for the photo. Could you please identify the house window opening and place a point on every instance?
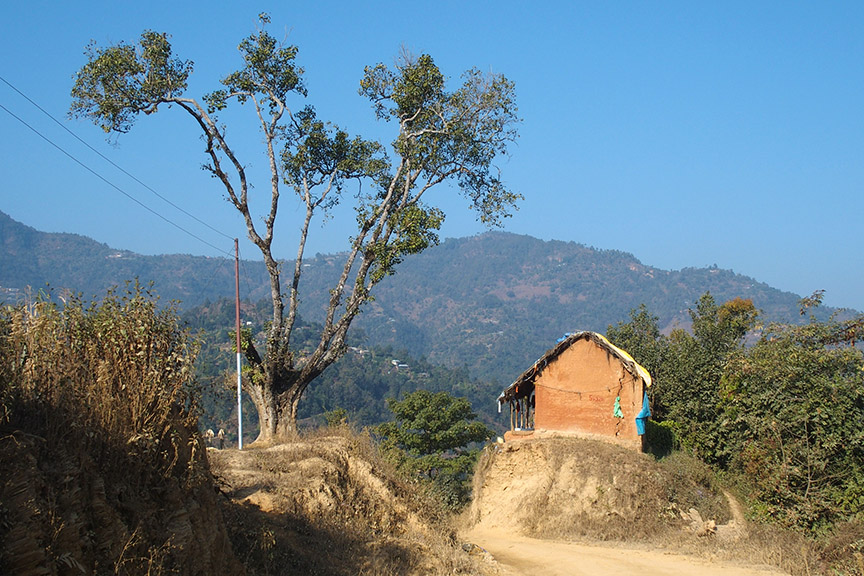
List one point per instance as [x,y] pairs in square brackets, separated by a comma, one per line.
[521,402]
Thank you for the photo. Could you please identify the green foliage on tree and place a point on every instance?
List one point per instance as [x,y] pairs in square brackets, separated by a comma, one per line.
[793,408]
[431,438]
[442,135]
[642,339]
[686,368]
[783,416]
[336,417]
[690,389]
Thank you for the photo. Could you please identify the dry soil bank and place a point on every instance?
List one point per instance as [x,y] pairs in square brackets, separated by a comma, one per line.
[534,498]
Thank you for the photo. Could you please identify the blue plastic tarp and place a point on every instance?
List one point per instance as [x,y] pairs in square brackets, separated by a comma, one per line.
[643,415]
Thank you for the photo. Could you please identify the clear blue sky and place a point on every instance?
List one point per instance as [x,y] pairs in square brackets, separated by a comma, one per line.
[686,133]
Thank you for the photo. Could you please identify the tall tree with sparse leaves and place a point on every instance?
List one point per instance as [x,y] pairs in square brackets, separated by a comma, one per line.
[441,136]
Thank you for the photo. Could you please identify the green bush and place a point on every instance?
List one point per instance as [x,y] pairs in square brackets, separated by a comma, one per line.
[661,437]
[431,439]
[793,405]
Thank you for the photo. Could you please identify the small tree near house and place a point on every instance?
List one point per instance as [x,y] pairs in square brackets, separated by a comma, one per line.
[440,136]
[431,437]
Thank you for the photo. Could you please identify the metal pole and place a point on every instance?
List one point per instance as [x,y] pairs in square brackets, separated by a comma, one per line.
[237,326]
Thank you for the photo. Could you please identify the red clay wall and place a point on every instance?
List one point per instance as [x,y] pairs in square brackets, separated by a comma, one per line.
[577,391]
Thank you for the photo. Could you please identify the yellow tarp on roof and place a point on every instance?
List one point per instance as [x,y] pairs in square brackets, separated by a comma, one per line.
[643,373]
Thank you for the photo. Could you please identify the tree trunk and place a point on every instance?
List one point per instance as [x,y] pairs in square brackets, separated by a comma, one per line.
[277,413]
[287,425]
[264,405]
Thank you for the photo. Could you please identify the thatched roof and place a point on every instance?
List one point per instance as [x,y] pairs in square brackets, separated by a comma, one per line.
[524,384]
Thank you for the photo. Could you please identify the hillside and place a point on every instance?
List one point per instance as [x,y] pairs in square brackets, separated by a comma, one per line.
[34,259]
[573,506]
[496,302]
[492,303]
[327,504]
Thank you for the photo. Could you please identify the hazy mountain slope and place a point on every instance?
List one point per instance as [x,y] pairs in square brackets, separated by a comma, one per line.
[29,258]
[496,302]
[493,303]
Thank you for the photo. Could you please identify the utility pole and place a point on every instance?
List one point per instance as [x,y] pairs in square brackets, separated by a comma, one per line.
[237,326]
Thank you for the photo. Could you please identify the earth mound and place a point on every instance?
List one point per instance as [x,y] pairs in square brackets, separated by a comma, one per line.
[572,488]
[328,504]
[68,510]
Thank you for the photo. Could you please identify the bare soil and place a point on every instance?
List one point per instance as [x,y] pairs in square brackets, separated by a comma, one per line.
[579,507]
[329,505]
[516,555]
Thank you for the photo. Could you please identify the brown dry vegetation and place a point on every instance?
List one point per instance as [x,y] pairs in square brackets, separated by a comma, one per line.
[326,503]
[104,471]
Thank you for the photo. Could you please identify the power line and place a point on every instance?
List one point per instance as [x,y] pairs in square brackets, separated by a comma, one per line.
[106,181]
[82,141]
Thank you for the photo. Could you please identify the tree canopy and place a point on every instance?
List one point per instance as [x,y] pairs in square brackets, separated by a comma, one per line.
[441,135]
[431,435]
[793,405]
[782,415]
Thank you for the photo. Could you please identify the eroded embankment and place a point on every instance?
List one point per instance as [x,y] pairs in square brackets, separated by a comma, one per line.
[627,513]
[67,510]
[329,505]
[568,487]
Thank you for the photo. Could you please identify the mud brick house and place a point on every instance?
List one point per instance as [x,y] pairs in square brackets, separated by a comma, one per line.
[584,386]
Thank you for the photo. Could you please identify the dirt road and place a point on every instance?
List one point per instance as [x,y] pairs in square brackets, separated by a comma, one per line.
[518,555]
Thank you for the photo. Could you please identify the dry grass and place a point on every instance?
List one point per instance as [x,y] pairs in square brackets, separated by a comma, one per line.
[104,468]
[112,375]
[327,503]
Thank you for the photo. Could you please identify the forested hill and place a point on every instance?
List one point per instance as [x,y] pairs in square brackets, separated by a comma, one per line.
[493,303]
[29,258]
[497,301]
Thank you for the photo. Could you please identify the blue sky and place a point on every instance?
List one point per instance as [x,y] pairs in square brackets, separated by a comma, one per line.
[685,133]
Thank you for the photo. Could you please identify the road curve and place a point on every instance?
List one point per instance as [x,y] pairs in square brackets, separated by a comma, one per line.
[518,555]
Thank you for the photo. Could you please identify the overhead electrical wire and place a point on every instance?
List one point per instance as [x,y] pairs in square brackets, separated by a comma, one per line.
[105,180]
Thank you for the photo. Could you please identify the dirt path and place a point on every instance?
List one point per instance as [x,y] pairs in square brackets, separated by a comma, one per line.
[518,555]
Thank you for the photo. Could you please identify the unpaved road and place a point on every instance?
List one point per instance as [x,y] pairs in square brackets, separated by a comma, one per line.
[518,555]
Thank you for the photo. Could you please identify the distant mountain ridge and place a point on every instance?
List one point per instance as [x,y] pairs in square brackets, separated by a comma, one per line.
[34,259]
[493,302]
[496,302]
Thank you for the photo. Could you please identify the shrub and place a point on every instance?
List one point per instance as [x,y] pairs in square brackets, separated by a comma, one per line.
[100,438]
[431,438]
[113,374]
